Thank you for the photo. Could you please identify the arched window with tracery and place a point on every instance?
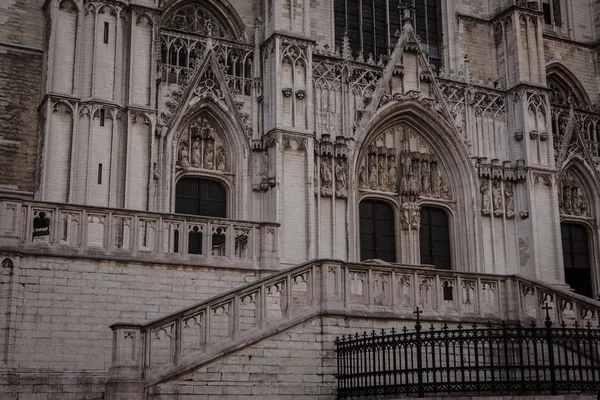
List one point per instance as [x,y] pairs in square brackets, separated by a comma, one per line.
[371,26]
[183,36]
[567,93]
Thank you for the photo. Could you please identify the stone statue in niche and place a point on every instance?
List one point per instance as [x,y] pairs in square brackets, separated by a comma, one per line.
[497,198]
[183,156]
[486,201]
[341,178]
[435,180]
[582,206]
[326,177]
[221,162]
[444,190]
[392,174]
[373,171]
[425,181]
[509,197]
[362,177]
[410,216]
[209,155]
[196,152]
[382,172]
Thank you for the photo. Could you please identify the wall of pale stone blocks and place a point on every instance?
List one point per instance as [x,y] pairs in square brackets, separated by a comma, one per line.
[64,307]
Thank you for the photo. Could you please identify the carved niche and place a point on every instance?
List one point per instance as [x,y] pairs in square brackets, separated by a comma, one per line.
[333,167]
[571,196]
[201,146]
[398,161]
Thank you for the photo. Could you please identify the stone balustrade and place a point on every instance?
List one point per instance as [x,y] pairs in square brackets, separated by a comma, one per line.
[72,230]
[195,336]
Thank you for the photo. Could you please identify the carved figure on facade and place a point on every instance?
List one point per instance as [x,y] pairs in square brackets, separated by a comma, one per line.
[182,159]
[209,154]
[497,198]
[486,200]
[372,170]
[326,177]
[196,152]
[362,177]
[571,198]
[509,197]
[207,149]
[382,171]
[221,161]
[341,178]
[392,174]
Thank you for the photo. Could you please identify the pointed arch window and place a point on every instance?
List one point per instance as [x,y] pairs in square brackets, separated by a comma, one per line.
[552,12]
[434,237]
[576,257]
[377,231]
[183,43]
[372,24]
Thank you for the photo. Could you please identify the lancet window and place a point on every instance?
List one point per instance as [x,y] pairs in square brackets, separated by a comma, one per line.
[372,24]
[183,39]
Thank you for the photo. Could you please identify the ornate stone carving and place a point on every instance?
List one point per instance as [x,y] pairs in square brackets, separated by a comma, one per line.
[497,198]
[207,148]
[392,174]
[326,176]
[509,197]
[571,197]
[410,216]
[341,178]
[486,200]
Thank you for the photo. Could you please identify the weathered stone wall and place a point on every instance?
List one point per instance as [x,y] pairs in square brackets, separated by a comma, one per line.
[20,74]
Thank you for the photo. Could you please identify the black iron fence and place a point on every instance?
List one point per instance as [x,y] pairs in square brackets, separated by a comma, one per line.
[490,359]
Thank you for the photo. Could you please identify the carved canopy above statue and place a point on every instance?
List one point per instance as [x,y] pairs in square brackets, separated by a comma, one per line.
[201,146]
[399,161]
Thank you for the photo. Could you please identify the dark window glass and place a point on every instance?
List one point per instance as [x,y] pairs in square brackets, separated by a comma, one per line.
[371,26]
[99,174]
[102,116]
[434,238]
[106,32]
[200,197]
[377,231]
[576,258]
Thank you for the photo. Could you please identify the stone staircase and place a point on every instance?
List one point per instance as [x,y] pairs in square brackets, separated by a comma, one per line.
[343,297]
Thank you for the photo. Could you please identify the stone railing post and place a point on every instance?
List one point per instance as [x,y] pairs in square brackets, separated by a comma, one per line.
[333,280]
[269,256]
[125,376]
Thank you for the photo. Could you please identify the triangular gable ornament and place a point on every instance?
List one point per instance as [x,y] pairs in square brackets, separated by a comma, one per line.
[407,40]
[206,83]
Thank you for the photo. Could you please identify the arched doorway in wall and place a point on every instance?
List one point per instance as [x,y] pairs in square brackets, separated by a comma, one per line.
[377,231]
[434,237]
[203,197]
[576,257]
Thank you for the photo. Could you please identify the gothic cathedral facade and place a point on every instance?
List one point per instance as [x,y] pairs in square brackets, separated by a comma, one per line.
[225,140]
